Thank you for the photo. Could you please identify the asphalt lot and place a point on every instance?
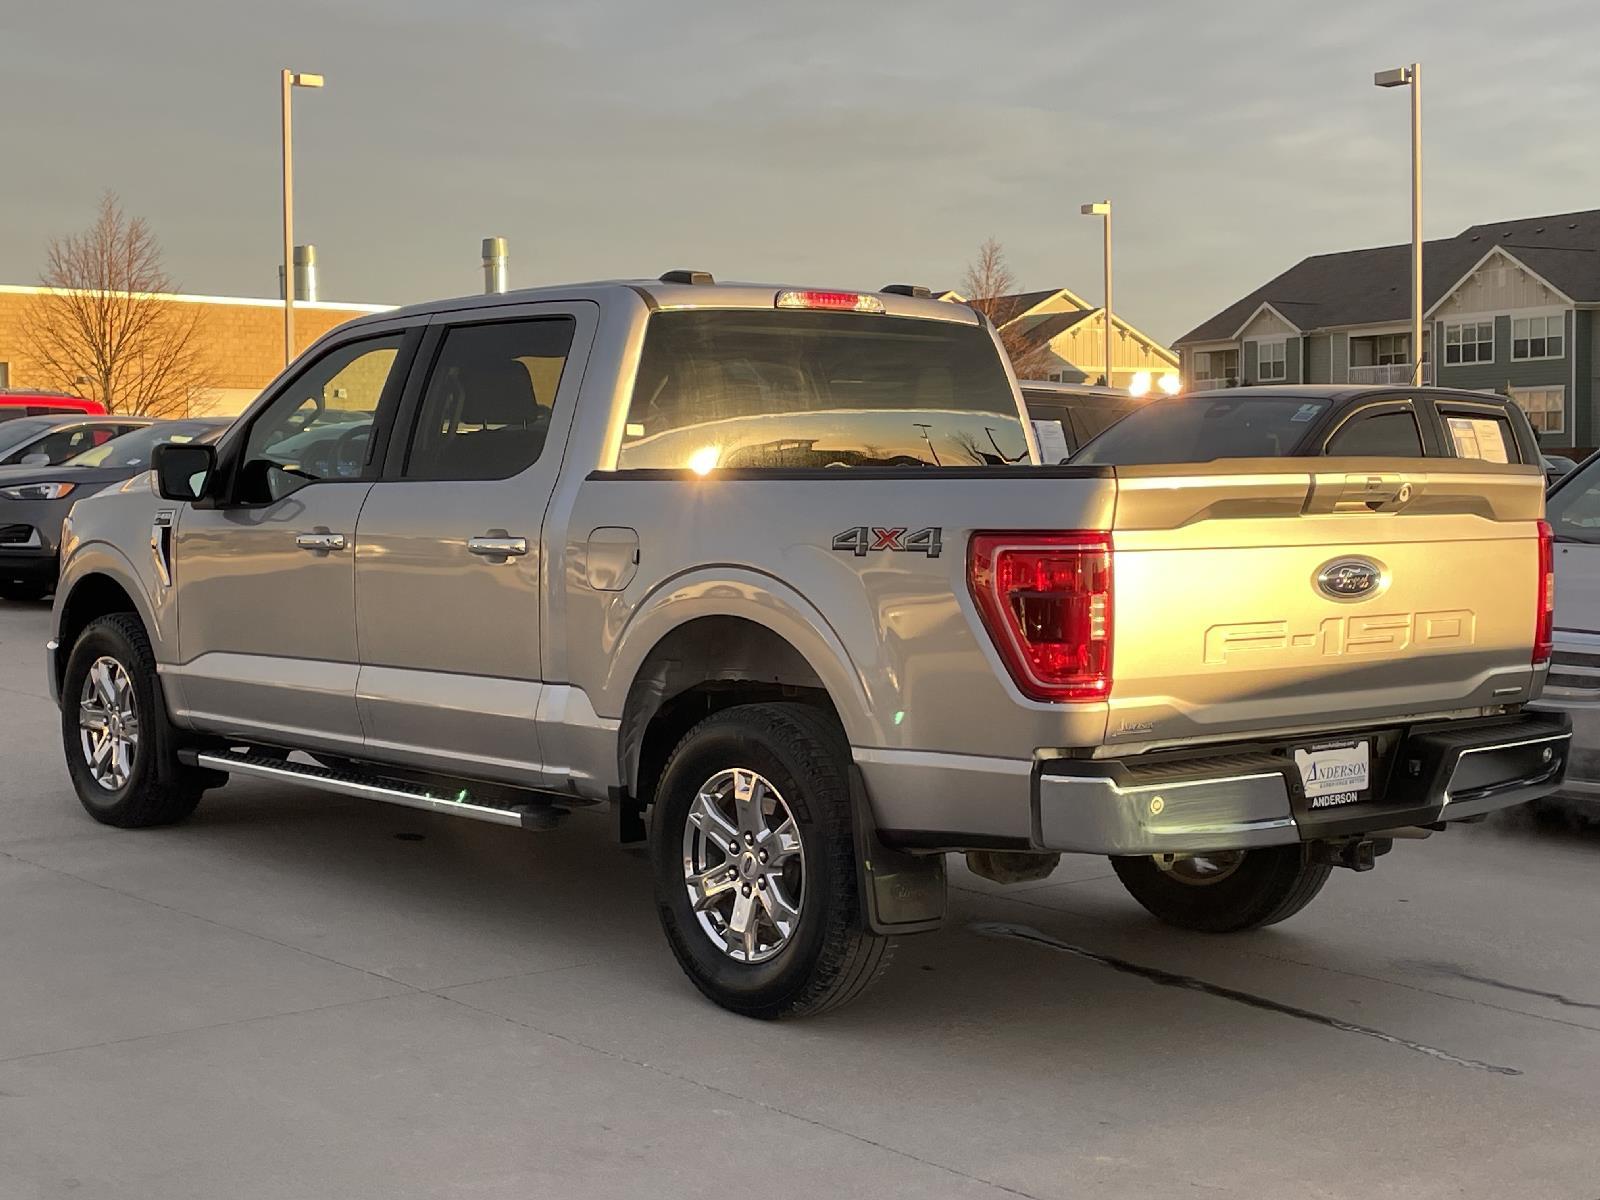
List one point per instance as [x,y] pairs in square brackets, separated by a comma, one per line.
[302,996]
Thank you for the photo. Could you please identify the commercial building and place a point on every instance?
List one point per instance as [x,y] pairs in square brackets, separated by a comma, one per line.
[241,341]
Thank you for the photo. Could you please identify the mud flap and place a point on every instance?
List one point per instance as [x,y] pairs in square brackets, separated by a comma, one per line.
[900,893]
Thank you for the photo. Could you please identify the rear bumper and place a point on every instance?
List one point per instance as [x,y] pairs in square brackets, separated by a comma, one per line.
[1243,797]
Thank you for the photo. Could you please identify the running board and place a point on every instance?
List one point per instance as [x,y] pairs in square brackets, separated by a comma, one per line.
[369,787]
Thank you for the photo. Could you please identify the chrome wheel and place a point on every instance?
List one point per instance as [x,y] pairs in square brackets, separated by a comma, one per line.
[108,723]
[743,865]
[1200,870]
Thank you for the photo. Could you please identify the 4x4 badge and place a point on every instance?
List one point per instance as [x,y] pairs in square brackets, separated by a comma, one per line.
[861,540]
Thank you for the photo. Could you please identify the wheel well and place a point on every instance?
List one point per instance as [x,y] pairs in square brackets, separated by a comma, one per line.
[93,596]
[702,667]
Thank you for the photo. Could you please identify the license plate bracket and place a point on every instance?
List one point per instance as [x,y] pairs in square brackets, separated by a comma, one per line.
[1334,774]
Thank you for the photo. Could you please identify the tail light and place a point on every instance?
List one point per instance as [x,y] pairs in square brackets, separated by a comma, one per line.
[1544,623]
[1045,599]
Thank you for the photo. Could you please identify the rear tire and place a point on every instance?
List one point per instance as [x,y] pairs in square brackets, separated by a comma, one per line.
[777,773]
[120,746]
[1257,888]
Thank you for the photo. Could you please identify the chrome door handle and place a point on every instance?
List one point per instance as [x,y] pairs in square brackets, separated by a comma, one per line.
[320,541]
[498,546]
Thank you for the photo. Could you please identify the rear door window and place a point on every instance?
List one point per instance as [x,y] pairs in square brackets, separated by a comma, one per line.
[1384,433]
[1479,433]
[486,411]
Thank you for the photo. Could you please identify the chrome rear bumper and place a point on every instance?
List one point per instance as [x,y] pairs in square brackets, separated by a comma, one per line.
[1211,800]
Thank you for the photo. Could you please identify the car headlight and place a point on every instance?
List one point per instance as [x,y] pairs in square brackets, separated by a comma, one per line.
[38,491]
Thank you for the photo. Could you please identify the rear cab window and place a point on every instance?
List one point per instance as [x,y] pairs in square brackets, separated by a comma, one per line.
[750,388]
[1201,428]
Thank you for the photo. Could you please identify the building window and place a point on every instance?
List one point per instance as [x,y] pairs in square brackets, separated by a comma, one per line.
[1538,337]
[1272,363]
[1470,342]
[1217,365]
[5,374]
[1392,349]
[1546,407]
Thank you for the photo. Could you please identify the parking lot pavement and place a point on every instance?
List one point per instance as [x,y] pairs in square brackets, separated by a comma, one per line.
[300,996]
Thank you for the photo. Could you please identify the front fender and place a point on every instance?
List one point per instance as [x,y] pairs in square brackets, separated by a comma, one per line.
[762,600]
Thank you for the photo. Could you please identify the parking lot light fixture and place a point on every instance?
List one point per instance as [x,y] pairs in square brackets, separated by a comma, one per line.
[1411,76]
[1102,208]
[289,81]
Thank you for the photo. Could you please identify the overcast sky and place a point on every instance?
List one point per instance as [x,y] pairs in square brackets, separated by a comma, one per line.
[853,142]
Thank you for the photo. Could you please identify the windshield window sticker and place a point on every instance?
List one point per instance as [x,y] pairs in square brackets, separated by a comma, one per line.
[1306,411]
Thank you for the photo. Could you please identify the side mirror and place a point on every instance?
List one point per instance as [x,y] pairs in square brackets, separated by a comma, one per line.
[183,469]
[35,460]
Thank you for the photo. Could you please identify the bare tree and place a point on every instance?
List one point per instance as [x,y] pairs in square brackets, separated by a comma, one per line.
[106,327]
[990,287]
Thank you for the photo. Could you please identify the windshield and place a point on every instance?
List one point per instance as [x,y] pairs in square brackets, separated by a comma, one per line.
[19,433]
[1201,428]
[133,450]
[768,389]
[1573,509]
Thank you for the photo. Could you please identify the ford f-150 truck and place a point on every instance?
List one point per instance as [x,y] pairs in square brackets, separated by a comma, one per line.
[775,573]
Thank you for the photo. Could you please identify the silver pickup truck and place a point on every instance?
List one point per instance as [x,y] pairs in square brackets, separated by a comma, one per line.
[775,574]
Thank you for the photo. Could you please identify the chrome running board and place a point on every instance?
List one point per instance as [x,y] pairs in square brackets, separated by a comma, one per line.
[371,787]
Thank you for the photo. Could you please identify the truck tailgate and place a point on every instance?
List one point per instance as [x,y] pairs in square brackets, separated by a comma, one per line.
[1318,592]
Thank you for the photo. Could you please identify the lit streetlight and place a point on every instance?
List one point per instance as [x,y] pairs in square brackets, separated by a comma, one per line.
[1412,77]
[1102,208]
[291,80]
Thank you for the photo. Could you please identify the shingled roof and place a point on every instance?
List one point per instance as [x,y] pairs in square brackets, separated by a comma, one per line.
[1360,287]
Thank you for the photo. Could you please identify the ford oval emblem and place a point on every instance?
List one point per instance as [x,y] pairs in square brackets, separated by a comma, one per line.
[1349,578]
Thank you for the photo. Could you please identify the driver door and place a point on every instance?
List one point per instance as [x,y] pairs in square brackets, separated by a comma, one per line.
[266,578]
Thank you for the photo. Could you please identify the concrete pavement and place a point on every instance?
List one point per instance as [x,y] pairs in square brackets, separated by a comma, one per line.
[295,995]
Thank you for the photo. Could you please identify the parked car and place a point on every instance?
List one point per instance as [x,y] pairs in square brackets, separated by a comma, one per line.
[35,499]
[16,402]
[47,441]
[1066,415]
[777,567]
[1318,419]
[1573,510]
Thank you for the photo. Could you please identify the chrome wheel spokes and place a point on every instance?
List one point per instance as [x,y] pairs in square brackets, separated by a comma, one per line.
[108,723]
[743,865]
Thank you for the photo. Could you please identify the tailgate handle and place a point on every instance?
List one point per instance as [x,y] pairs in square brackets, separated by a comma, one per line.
[1374,492]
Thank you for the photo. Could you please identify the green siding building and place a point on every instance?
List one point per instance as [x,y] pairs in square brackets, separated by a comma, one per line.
[1510,307]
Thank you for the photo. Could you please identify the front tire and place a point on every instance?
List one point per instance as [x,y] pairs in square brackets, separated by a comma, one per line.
[753,850]
[1225,892]
[120,746]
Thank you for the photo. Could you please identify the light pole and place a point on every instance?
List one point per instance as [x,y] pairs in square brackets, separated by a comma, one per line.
[291,80]
[1102,208]
[1412,77]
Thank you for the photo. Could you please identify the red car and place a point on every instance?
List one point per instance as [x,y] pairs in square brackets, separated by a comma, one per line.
[17,403]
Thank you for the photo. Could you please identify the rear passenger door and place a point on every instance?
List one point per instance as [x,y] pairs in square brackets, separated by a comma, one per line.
[449,565]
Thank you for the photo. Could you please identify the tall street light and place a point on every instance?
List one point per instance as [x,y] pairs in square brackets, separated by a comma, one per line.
[1102,208]
[1412,77]
[291,80]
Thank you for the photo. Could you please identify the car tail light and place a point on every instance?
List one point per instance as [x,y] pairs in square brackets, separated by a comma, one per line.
[1045,599]
[860,302]
[1544,624]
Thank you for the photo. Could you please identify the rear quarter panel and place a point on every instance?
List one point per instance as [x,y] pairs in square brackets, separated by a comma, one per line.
[894,634]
